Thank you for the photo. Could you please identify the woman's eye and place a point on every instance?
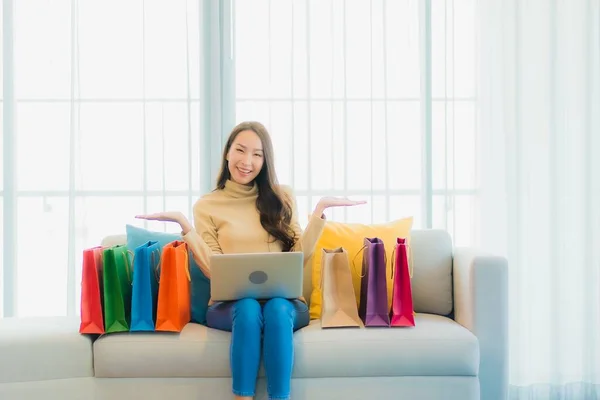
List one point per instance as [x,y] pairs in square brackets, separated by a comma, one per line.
[258,155]
[240,150]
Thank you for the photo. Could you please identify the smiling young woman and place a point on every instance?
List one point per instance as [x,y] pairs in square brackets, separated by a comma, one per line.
[250,212]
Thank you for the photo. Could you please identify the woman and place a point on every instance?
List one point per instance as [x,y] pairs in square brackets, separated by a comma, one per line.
[249,212]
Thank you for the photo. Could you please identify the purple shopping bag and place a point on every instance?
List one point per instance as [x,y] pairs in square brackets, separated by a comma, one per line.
[373,304]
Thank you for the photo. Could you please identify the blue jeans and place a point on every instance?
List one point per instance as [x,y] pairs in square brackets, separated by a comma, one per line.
[248,320]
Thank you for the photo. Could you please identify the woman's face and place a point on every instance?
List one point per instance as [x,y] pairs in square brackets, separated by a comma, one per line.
[245,157]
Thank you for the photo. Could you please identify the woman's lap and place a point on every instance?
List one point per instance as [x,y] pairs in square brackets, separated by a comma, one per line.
[220,314]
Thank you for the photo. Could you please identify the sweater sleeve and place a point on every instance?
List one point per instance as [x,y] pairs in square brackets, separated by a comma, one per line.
[305,240]
[202,240]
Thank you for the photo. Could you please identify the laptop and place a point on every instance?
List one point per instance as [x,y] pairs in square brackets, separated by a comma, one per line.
[256,275]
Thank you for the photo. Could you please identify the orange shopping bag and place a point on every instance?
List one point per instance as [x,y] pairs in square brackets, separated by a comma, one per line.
[173,310]
[92,320]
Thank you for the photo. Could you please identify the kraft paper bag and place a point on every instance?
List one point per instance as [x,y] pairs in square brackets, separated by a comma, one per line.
[339,308]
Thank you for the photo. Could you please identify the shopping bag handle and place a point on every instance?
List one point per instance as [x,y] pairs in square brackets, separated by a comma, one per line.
[127,264]
[187,262]
[187,270]
[364,272]
[339,250]
[354,264]
[157,267]
[393,261]
[410,258]
[384,258]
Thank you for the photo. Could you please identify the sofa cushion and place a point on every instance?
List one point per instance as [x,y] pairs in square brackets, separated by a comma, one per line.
[437,346]
[35,349]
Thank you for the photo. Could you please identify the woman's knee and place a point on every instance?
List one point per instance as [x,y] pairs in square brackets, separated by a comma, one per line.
[279,308]
[247,311]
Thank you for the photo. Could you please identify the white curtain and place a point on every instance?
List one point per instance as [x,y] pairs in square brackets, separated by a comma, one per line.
[371,99]
[113,108]
[539,75]
[122,107]
[112,113]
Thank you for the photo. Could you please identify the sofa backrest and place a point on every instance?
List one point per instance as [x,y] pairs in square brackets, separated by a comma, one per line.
[432,277]
[114,240]
[432,265]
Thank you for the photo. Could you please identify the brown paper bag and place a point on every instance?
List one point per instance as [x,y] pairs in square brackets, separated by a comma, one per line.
[339,300]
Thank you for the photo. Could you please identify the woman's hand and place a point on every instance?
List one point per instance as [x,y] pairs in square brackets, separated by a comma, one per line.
[169,216]
[328,202]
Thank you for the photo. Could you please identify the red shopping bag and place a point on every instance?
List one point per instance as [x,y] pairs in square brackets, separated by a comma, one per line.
[92,320]
[402,313]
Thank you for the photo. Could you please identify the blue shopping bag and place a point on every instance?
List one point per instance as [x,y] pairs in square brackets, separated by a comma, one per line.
[144,297]
[200,284]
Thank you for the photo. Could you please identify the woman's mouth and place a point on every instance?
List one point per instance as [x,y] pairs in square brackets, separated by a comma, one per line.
[244,172]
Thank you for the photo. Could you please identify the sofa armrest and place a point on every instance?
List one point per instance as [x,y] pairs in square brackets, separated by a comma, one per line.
[481,305]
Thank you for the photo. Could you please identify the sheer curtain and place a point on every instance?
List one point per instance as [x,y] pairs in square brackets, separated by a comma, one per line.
[540,125]
[112,107]
[373,100]
[479,117]
[115,108]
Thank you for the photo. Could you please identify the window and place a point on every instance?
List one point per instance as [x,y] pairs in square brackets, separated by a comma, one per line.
[107,126]
[343,89]
[109,123]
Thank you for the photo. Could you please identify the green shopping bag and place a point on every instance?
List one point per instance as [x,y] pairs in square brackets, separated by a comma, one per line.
[117,289]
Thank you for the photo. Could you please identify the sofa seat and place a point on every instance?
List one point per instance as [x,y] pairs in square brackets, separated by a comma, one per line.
[45,348]
[437,346]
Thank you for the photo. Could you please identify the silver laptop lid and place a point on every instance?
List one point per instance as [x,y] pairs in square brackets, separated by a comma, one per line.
[256,275]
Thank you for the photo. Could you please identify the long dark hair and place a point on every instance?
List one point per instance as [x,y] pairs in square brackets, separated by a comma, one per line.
[274,207]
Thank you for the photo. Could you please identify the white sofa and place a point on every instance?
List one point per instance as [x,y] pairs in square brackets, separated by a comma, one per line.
[458,349]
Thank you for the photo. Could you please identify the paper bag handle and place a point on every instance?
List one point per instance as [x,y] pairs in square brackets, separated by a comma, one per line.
[187,271]
[187,266]
[384,258]
[157,267]
[410,259]
[322,271]
[354,264]
[127,264]
[393,261]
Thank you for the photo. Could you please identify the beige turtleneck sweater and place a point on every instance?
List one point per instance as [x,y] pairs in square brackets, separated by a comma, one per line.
[227,221]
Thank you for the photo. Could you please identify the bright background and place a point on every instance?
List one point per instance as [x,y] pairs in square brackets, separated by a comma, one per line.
[477,117]
[107,122]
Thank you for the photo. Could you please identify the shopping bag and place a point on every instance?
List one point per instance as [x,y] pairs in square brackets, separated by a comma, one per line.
[339,300]
[402,313]
[117,289]
[173,310]
[92,319]
[144,295]
[373,305]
